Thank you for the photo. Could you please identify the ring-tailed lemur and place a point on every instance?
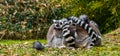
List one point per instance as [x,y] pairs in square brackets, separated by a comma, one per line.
[54,36]
[92,34]
[95,27]
[56,41]
[69,39]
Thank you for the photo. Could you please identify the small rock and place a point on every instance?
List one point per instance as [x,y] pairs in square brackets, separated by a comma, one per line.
[38,46]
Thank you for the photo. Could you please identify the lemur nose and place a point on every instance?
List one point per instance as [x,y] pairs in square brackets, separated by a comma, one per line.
[57,25]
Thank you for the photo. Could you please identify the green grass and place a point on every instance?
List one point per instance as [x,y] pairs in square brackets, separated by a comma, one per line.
[110,47]
[20,41]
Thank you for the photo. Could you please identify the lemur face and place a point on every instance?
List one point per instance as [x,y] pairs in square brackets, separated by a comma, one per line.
[59,23]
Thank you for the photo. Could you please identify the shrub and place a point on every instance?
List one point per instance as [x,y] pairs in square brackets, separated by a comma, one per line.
[22,19]
[25,19]
[104,12]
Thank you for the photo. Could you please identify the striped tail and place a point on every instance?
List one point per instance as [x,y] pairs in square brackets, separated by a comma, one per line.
[84,25]
[69,38]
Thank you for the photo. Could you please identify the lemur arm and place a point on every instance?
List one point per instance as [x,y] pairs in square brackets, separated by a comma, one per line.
[50,34]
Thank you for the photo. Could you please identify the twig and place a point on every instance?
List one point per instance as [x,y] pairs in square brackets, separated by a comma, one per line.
[2,35]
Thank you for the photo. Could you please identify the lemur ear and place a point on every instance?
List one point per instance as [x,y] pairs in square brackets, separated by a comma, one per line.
[54,20]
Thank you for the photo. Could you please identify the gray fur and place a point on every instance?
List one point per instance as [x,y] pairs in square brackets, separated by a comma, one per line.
[55,39]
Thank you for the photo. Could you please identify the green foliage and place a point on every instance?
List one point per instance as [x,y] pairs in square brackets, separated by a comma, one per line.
[25,19]
[104,12]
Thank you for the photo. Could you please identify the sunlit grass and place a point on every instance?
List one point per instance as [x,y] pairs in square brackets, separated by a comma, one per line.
[20,41]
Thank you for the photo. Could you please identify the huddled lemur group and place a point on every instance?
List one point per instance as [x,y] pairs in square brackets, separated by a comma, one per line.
[73,32]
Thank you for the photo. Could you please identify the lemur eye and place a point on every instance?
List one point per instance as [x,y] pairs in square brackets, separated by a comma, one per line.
[60,23]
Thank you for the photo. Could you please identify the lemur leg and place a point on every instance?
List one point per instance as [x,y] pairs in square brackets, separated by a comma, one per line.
[49,44]
[89,44]
[62,44]
[98,42]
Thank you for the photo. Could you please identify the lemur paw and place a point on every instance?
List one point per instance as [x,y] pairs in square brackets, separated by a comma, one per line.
[60,47]
[71,48]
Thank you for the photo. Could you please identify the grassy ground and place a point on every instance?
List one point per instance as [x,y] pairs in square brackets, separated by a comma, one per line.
[110,47]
